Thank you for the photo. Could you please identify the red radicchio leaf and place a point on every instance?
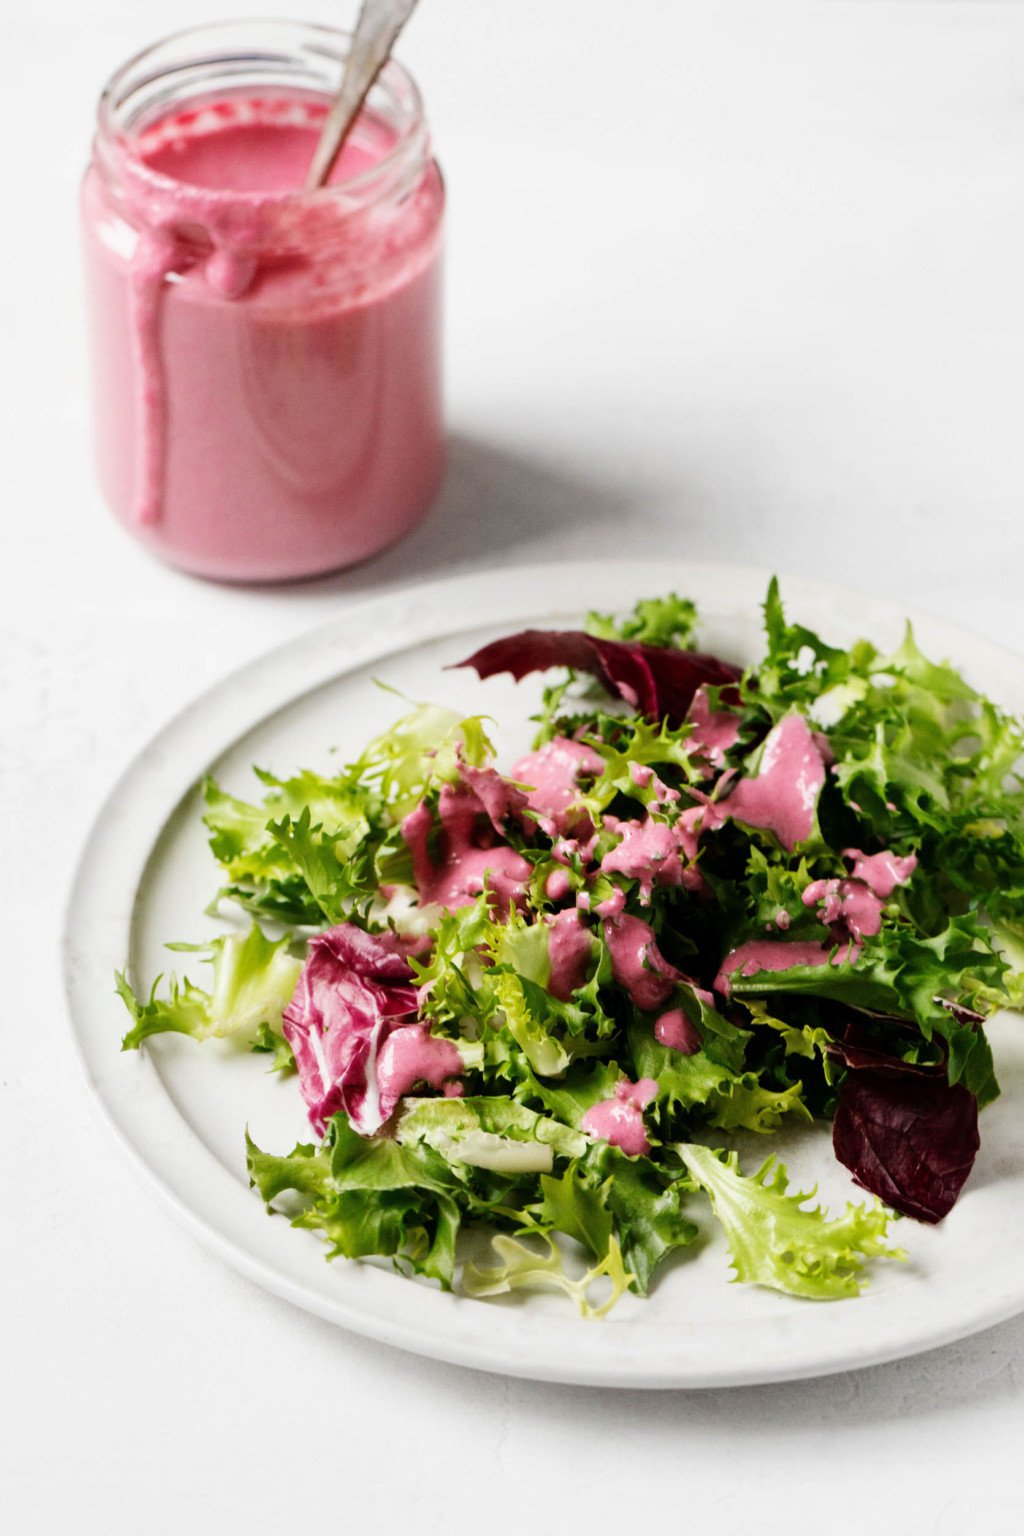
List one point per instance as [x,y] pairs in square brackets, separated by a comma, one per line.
[659,681]
[909,1138]
[354,989]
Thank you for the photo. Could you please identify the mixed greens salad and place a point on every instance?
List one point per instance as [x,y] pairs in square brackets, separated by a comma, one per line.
[552,1000]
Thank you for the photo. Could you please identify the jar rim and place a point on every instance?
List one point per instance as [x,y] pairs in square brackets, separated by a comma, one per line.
[327,43]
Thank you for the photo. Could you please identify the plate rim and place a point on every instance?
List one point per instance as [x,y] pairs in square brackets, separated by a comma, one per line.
[502,1340]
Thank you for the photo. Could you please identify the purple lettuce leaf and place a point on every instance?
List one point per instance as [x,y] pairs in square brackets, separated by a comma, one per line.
[905,1133]
[355,988]
[658,681]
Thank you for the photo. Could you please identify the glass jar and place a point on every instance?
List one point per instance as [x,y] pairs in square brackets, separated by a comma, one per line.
[266,360]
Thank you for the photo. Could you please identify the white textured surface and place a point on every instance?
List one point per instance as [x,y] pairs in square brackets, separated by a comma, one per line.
[773,311]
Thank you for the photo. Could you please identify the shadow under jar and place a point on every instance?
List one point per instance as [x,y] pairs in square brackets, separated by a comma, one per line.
[266,361]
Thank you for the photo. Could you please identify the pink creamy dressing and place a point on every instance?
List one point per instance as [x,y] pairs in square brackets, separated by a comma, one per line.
[557,885]
[854,906]
[411,1055]
[714,731]
[846,904]
[637,963]
[266,366]
[553,773]
[784,794]
[851,907]
[773,955]
[675,1030]
[649,852]
[570,946]
[880,872]
[620,1121]
[612,905]
[470,856]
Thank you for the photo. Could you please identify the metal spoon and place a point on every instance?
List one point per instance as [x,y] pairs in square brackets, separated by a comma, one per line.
[379,24]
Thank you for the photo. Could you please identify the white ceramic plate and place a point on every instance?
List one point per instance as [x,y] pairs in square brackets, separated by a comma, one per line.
[178,1109]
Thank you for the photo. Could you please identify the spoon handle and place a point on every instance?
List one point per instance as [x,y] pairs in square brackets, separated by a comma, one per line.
[379,24]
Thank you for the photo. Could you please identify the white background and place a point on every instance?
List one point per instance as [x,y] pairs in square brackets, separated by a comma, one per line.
[735,281]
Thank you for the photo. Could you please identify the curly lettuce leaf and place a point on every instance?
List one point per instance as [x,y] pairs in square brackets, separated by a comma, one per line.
[261,872]
[253,982]
[645,1205]
[776,1239]
[665,621]
[282,1057]
[522,1267]
[309,851]
[900,973]
[488,1132]
[709,1093]
[368,1196]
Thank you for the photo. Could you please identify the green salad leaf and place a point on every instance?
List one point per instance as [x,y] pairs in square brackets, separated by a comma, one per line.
[253,981]
[776,1240]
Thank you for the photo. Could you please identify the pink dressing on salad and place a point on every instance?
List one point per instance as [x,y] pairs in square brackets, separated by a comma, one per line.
[662,853]
[497,797]
[464,867]
[881,872]
[854,905]
[664,793]
[771,955]
[714,730]
[570,946]
[846,904]
[557,885]
[612,905]
[568,848]
[637,963]
[620,1120]
[553,772]
[677,1031]
[648,851]
[409,1055]
[640,774]
[782,797]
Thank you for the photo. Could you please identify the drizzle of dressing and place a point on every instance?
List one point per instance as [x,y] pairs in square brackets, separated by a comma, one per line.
[613,905]
[846,905]
[853,907]
[553,772]
[648,851]
[881,872]
[155,255]
[637,963]
[411,1055]
[677,1031]
[714,730]
[570,946]
[774,955]
[782,797]
[620,1120]
[464,868]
